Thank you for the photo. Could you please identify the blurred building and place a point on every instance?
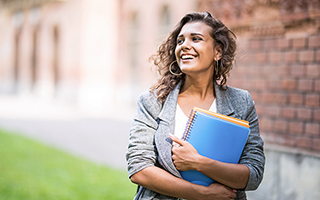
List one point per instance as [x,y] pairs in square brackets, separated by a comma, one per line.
[62,50]
[93,54]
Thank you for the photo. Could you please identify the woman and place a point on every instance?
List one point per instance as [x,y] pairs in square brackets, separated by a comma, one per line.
[198,53]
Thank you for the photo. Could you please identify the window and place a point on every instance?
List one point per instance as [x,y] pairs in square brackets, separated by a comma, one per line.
[55,64]
[165,23]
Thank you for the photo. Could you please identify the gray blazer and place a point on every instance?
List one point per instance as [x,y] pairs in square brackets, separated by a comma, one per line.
[150,145]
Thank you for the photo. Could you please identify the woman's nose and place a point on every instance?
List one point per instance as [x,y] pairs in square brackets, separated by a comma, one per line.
[185,45]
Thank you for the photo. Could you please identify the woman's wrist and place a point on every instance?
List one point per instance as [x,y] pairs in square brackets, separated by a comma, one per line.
[199,191]
[201,162]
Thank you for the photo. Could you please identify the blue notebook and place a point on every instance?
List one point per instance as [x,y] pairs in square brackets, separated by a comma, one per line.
[215,136]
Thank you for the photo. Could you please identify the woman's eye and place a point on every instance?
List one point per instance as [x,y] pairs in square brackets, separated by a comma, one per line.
[179,41]
[196,39]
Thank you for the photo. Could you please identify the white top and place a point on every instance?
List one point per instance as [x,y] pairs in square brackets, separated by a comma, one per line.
[181,119]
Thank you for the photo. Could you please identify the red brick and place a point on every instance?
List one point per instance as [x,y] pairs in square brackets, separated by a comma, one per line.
[299,43]
[259,108]
[267,97]
[314,41]
[269,137]
[304,114]
[269,71]
[281,126]
[313,100]
[291,57]
[305,85]
[261,57]
[255,44]
[265,124]
[313,70]
[283,70]
[269,44]
[316,144]
[316,115]
[306,56]
[244,84]
[317,86]
[275,57]
[296,127]
[297,70]
[289,84]
[280,98]
[286,140]
[284,43]
[250,70]
[313,129]
[304,142]
[245,58]
[289,113]
[240,70]
[275,85]
[296,99]
[255,96]
[261,84]
[272,111]
[318,55]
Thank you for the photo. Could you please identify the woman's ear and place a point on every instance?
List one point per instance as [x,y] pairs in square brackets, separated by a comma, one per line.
[217,52]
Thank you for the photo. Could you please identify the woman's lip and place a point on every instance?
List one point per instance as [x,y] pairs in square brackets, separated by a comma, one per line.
[188,54]
[186,60]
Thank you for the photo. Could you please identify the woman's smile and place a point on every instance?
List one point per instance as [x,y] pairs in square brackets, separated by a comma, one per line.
[185,57]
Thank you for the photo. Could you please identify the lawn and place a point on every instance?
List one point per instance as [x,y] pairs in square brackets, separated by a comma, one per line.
[31,170]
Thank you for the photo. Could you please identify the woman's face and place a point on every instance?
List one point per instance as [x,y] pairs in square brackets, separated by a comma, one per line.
[195,51]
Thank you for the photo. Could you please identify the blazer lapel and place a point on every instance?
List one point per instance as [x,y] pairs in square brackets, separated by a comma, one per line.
[166,125]
[224,105]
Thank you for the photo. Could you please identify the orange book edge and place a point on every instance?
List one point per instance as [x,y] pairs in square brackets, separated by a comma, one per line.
[224,117]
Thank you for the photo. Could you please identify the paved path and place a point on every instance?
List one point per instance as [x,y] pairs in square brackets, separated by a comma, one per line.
[97,138]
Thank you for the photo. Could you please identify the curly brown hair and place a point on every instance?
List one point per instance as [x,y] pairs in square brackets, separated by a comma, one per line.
[165,56]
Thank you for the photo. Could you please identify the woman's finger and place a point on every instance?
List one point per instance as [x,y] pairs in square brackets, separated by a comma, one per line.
[177,140]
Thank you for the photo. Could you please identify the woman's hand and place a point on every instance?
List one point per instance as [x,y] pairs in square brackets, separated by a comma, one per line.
[219,192]
[184,155]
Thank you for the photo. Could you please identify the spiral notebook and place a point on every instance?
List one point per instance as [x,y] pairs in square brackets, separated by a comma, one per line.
[215,136]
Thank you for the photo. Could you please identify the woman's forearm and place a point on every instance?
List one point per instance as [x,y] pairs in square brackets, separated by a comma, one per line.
[158,180]
[232,175]
[162,182]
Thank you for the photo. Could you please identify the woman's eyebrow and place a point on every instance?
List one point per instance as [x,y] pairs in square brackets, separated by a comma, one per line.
[179,36]
[192,34]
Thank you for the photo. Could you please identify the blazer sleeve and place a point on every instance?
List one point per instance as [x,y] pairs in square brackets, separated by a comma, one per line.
[253,155]
[141,152]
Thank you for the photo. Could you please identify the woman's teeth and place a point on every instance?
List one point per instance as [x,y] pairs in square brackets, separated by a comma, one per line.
[187,57]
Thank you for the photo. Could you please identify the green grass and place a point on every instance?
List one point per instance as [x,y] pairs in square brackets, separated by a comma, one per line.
[31,170]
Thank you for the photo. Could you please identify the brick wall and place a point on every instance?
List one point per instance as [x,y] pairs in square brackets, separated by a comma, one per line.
[283,76]
[279,63]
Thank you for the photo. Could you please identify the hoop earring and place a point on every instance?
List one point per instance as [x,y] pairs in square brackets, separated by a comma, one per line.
[171,70]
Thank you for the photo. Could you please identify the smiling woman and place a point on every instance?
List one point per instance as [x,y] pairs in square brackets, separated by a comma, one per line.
[223,38]
[196,51]
[197,55]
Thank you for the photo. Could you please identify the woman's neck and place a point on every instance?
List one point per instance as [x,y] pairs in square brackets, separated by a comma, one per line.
[194,93]
[198,88]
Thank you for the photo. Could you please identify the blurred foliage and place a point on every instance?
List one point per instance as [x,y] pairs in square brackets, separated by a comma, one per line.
[31,170]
